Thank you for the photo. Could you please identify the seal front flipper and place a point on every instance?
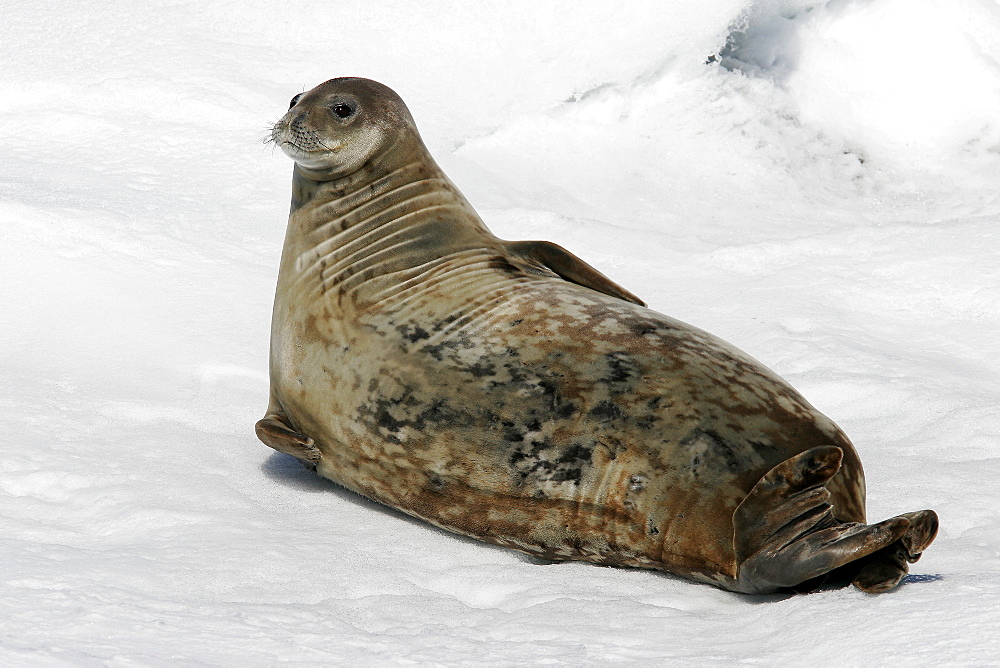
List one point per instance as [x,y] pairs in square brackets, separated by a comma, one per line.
[276,433]
[570,267]
[785,532]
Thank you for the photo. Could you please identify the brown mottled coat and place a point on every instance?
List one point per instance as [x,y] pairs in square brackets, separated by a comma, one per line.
[442,373]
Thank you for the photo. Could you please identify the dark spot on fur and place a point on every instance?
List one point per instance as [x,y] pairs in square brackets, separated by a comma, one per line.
[511,433]
[646,421]
[577,453]
[447,320]
[548,388]
[565,410]
[573,475]
[621,368]
[762,445]
[437,351]
[516,372]
[543,462]
[642,328]
[389,417]
[560,409]
[607,411]
[413,334]
[482,367]
[383,418]
[438,412]
[713,451]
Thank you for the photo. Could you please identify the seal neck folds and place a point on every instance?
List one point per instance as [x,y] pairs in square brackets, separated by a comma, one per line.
[381,225]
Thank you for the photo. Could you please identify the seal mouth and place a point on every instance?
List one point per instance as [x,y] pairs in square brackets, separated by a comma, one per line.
[293,137]
[290,145]
[302,145]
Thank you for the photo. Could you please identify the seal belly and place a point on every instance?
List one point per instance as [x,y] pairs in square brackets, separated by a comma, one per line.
[547,417]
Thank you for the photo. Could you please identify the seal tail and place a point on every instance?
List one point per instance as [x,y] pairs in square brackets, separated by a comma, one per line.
[785,534]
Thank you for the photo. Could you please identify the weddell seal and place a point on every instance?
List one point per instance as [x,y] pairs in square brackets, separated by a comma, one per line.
[508,391]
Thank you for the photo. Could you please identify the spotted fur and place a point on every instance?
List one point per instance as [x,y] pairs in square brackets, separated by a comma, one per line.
[447,373]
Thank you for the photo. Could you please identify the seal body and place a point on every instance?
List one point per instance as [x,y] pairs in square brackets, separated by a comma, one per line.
[510,392]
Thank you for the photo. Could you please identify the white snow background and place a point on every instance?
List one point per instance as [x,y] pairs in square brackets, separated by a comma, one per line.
[816,182]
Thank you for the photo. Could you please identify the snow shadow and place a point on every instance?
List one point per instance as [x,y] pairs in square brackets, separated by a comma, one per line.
[290,472]
[766,39]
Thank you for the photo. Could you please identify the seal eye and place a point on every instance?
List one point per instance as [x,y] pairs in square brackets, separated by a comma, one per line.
[342,110]
[294,100]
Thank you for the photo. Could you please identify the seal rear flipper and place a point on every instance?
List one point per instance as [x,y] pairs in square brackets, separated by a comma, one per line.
[570,267]
[276,433]
[883,570]
[785,532]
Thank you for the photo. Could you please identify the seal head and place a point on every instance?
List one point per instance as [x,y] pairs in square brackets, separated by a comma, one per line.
[339,126]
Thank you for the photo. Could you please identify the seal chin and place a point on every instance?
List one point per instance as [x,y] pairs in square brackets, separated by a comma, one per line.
[311,159]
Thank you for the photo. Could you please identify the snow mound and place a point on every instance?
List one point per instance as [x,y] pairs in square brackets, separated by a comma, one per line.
[909,82]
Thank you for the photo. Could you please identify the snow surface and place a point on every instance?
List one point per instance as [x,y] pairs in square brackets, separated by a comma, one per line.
[815,182]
